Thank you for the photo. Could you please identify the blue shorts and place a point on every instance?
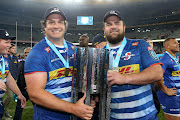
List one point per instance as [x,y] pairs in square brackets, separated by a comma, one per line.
[41,113]
[169,104]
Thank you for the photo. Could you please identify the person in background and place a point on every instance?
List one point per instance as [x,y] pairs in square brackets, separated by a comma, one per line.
[83,40]
[135,66]
[99,41]
[22,85]
[6,78]
[13,68]
[169,93]
[48,72]
[153,85]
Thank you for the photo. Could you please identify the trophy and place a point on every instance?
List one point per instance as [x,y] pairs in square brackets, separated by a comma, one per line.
[89,75]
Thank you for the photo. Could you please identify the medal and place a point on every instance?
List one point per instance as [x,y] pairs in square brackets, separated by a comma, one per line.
[115,69]
[65,62]
[66,72]
[3,76]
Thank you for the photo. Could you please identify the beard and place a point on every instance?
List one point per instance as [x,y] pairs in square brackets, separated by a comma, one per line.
[115,40]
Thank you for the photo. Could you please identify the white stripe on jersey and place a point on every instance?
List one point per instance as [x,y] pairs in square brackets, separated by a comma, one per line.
[60,90]
[60,80]
[134,114]
[69,99]
[131,92]
[132,104]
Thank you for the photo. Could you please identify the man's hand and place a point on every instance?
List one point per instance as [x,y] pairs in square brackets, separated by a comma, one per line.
[114,77]
[171,91]
[23,100]
[81,110]
[2,86]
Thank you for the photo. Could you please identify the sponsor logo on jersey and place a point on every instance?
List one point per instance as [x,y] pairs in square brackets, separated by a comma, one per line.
[152,53]
[62,51]
[47,49]
[6,73]
[135,44]
[127,56]
[129,69]
[59,73]
[175,73]
[15,61]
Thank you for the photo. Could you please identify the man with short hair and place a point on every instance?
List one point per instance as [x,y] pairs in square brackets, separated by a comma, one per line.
[22,85]
[83,40]
[169,93]
[135,66]
[5,75]
[99,41]
[48,72]
[13,68]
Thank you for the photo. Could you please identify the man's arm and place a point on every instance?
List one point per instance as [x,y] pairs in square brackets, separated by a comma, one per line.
[168,91]
[11,84]
[36,84]
[148,75]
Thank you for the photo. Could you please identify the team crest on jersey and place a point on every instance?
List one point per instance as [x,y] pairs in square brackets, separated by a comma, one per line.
[73,47]
[47,49]
[5,56]
[152,53]
[6,63]
[127,56]
[135,44]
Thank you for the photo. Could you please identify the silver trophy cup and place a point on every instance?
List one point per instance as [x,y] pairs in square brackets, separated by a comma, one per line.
[89,75]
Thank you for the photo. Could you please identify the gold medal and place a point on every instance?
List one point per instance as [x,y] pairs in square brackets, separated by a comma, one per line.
[115,69]
[3,76]
[66,72]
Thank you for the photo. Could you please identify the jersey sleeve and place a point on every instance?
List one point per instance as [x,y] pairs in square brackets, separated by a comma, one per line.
[148,55]
[165,61]
[35,62]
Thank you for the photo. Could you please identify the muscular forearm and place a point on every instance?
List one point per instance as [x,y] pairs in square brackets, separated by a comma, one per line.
[48,100]
[148,75]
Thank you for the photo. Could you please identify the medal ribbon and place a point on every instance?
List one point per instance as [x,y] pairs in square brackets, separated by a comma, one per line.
[174,58]
[119,52]
[65,62]
[2,67]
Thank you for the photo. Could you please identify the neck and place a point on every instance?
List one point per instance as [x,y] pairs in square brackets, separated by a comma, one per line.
[172,53]
[11,54]
[58,42]
[114,45]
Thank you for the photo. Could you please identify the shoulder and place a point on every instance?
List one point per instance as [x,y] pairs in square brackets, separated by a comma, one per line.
[136,43]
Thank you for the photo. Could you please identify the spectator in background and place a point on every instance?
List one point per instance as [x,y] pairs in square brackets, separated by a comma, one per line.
[22,85]
[169,93]
[6,78]
[153,85]
[13,68]
[99,41]
[83,40]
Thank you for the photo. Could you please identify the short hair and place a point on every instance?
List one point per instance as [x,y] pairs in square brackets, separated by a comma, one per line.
[147,38]
[27,48]
[84,35]
[167,40]
[43,25]
[12,45]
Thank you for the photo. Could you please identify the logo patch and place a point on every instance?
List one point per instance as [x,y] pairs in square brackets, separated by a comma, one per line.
[152,53]
[47,49]
[135,44]
[127,56]
[129,69]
